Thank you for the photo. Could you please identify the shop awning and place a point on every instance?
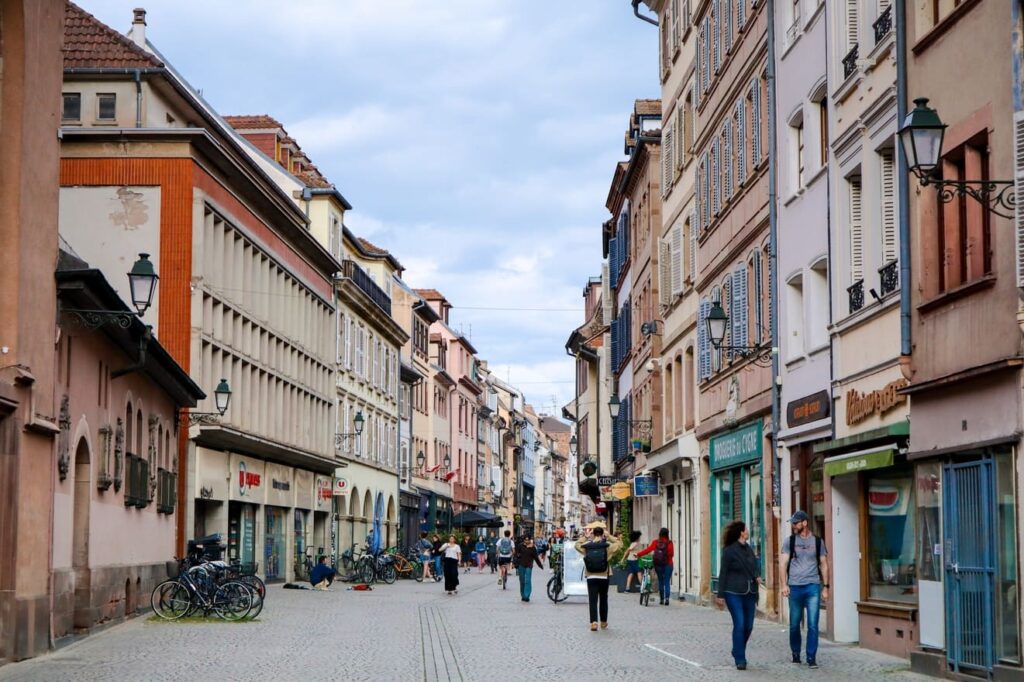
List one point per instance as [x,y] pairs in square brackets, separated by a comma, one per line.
[865,438]
[472,517]
[875,458]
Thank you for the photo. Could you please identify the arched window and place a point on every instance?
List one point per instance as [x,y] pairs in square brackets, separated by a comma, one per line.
[138,432]
[129,426]
[668,386]
[161,456]
[689,384]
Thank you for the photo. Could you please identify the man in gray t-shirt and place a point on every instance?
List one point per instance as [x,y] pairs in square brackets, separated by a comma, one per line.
[804,569]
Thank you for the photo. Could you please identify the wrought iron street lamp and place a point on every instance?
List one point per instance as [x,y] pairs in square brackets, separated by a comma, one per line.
[142,279]
[357,424]
[642,427]
[573,444]
[221,400]
[420,459]
[447,461]
[718,322]
[921,138]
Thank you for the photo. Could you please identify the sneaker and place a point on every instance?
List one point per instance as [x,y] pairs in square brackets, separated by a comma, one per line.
[499,581]
[741,666]
[593,627]
[796,658]
[604,625]
[812,664]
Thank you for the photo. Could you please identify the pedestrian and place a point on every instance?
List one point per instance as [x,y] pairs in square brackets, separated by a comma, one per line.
[437,552]
[597,565]
[425,550]
[632,562]
[804,568]
[467,549]
[663,551]
[481,553]
[492,552]
[506,549]
[452,557]
[738,578]
[322,575]
[526,557]
[542,549]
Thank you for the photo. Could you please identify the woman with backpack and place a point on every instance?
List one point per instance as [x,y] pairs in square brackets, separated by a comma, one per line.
[597,552]
[738,579]
[663,552]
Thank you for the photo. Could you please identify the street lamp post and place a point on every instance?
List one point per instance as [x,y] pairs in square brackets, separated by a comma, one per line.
[221,400]
[717,322]
[642,427]
[921,137]
[142,280]
[357,424]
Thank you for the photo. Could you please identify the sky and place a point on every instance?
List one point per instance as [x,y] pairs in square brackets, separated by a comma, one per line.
[475,139]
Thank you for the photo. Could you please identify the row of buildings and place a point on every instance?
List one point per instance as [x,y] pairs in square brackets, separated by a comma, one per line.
[275,382]
[811,300]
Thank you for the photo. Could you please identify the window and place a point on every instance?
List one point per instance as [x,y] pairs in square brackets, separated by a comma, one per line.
[941,8]
[796,144]
[964,229]
[106,107]
[853,193]
[823,132]
[71,110]
[892,574]
[887,192]
[794,318]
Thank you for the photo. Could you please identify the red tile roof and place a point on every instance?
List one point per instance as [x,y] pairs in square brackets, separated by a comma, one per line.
[91,44]
[430,294]
[256,122]
[648,107]
[314,179]
[372,249]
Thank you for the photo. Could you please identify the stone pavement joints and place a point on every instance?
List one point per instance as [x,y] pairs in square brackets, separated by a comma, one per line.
[413,632]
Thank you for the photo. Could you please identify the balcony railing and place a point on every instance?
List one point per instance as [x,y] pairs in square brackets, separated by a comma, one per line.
[362,280]
[883,25]
[889,276]
[856,292]
[850,61]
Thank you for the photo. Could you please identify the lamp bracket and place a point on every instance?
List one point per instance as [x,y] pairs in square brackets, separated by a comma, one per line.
[207,418]
[94,319]
[759,355]
[997,196]
[340,438]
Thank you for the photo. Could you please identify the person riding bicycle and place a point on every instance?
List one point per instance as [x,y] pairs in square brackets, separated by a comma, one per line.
[506,548]
[322,575]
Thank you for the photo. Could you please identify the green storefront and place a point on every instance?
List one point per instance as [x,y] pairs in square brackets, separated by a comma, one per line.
[737,488]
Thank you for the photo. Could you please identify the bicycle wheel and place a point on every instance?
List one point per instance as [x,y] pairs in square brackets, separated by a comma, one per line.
[257,602]
[388,574]
[417,571]
[232,601]
[255,584]
[171,600]
[556,589]
[366,572]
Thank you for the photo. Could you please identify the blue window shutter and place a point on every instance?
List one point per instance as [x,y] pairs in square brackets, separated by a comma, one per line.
[755,122]
[739,307]
[613,266]
[703,343]
[759,330]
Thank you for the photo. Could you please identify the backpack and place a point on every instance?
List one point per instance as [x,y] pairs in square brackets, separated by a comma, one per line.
[505,547]
[817,553]
[661,553]
[596,558]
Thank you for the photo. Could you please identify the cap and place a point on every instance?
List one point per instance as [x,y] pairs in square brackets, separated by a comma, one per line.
[798,517]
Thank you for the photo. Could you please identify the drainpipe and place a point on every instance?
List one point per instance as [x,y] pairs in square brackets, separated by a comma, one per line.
[138,98]
[307,196]
[773,287]
[636,13]
[903,190]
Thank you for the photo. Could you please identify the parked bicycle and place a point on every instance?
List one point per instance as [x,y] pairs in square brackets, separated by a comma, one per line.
[646,564]
[556,583]
[202,587]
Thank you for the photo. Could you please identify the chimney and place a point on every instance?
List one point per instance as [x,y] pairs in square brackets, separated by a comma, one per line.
[138,30]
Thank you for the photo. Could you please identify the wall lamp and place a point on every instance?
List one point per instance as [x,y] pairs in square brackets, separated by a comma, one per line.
[357,424]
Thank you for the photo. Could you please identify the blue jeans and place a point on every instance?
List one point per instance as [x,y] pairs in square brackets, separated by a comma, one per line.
[437,565]
[525,582]
[742,608]
[804,597]
[664,581]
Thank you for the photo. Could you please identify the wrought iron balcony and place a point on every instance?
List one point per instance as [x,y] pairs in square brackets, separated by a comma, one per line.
[889,278]
[883,25]
[850,61]
[856,292]
[362,280]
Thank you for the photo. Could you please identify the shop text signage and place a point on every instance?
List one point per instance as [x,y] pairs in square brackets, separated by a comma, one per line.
[808,409]
[645,486]
[280,485]
[323,489]
[851,465]
[860,406]
[736,447]
[246,479]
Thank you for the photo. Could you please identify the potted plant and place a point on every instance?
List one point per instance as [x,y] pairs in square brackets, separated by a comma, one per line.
[645,445]
[637,444]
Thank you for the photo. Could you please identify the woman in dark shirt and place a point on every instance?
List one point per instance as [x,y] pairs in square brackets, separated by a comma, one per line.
[738,578]
[437,552]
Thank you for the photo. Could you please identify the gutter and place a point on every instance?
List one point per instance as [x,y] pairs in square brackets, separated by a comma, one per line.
[903,192]
[636,13]
[138,98]
[773,286]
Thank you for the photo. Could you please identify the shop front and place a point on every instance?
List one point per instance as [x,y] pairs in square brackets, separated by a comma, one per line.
[737,490]
[325,528]
[963,448]
[246,494]
[873,533]
[409,518]
[808,423]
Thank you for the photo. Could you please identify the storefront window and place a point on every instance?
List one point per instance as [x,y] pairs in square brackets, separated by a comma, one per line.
[300,539]
[892,574]
[242,533]
[1007,630]
[273,545]
[816,495]
[753,513]
[928,488]
[724,487]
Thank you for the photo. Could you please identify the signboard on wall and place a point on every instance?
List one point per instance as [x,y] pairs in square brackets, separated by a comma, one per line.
[645,486]
[323,493]
[736,447]
[341,486]
[808,409]
[279,483]
[247,481]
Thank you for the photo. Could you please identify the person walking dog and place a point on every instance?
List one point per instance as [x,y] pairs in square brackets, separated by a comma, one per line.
[597,551]
[738,579]
[804,569]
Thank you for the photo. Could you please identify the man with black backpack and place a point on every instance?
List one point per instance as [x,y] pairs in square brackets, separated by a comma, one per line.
[505,549]
[597,552]
[804,568]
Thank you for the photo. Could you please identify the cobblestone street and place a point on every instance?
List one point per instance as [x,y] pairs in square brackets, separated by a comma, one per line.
[411,631]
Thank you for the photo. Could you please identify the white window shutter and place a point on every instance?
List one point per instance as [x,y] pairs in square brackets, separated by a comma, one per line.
[664,272]
[716,35]
[755,123]
[740,303]
[716,187]
[727,157]
[677,258]
[703,343]
[679,132]
[1018,148]
[856,232]
[888,169]
[741,9]
[726,14]
[606,298]
[693,247]
[852,23]
[741,143]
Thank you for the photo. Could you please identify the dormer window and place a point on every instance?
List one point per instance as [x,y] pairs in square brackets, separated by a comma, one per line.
[106,107]
[71,109]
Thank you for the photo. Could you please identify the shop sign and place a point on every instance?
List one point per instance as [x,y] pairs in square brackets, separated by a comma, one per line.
[621,490]
[860,406]
[848,464]
[808,409]
[736,447]
[212,481]
[645,486]
[247,479]
[606,494]
[606,480]
[278,481]
[341,486]
[324,492]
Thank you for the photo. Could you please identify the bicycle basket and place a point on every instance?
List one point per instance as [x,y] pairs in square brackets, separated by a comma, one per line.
[646,562]
[173,568]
